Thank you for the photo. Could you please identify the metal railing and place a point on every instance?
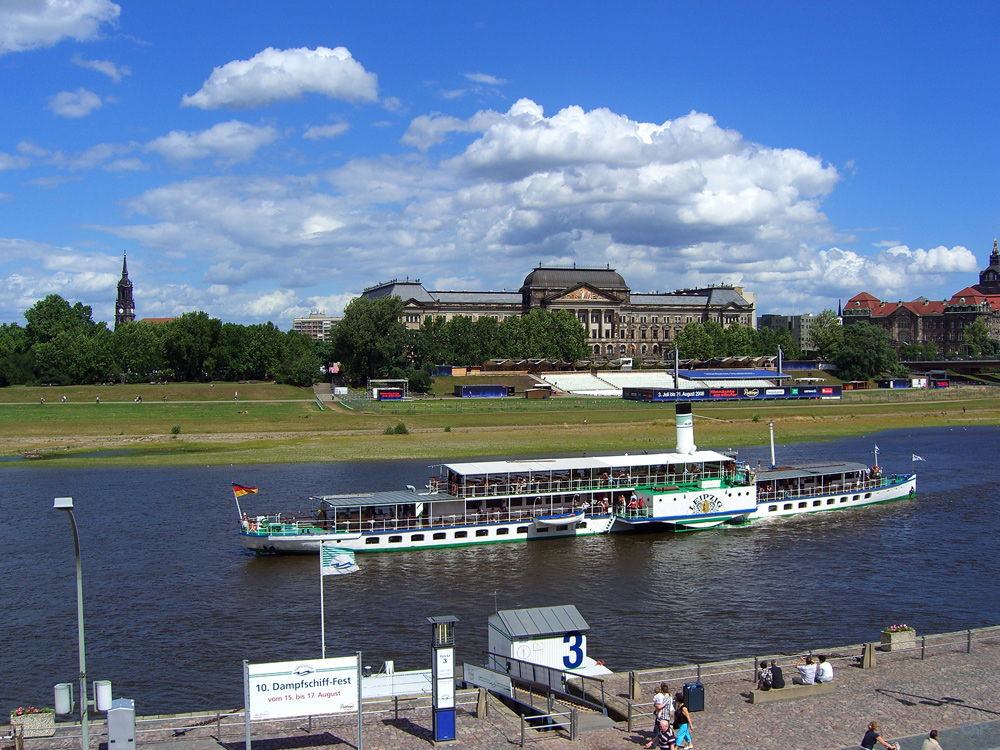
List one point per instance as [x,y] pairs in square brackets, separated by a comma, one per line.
[746,668]
[170,727]
[570,724]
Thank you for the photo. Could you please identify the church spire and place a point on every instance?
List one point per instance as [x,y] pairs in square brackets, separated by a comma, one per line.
[124,305]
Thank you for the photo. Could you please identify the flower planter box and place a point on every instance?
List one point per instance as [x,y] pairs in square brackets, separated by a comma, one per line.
[34,725]
[901,639]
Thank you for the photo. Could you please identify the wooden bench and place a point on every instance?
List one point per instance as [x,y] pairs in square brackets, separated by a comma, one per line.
[791,692]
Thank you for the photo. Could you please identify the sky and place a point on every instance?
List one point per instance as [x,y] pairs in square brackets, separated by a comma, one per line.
[260,160]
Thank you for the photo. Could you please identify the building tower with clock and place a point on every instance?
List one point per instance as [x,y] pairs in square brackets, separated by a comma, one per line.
[125,305]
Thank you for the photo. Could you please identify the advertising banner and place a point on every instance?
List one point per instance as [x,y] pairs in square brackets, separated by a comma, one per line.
[286,689]
[731,393]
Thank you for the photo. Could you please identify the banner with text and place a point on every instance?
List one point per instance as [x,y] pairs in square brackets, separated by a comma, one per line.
[285,689]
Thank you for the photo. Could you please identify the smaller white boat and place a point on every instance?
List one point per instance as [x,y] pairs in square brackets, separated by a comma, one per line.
[563,519]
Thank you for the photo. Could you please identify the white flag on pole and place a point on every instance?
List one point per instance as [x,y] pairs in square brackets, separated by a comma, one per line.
[918,458]
[336,560]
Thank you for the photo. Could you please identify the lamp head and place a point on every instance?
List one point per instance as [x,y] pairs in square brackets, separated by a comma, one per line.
[63,503]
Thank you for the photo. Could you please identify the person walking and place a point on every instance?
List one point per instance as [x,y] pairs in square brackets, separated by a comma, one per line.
[662,709]
[682,723]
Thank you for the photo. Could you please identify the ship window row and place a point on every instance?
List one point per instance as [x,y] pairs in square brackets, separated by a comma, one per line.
[441,535]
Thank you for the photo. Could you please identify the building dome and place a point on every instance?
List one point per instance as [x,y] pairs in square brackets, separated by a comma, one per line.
[564,278]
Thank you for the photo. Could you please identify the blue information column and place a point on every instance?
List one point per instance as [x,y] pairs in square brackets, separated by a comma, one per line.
[443,676]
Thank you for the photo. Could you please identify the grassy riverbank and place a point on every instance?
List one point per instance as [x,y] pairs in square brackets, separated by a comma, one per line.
[204,424]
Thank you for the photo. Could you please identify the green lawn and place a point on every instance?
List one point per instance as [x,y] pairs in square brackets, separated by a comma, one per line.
[284,424]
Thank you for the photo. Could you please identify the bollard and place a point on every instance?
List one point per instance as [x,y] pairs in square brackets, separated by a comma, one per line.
[634,687]
[573,728]
[218,727]
[522,731]
[923,646]
[968,643]
[868,656]
[699,673]
[395,707]
[756,666]
[481,704]
[630,716]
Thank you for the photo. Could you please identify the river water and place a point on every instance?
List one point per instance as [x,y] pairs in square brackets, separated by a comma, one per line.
[174,604]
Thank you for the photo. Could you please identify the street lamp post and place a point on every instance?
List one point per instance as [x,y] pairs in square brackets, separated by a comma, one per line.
[66,504]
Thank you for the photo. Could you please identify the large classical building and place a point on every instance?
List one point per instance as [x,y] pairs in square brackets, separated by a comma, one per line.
[941,323]
[618,321]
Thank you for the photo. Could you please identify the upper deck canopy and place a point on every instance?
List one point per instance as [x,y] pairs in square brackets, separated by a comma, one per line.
[598,463]
[810,470]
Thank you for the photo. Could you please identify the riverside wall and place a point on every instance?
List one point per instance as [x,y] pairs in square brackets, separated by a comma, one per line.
[947,681]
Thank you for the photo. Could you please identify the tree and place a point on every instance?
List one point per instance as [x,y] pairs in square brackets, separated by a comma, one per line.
[977,337]
[15,355]
[190,343]
[740,341]
[928,350]
[694,342]
[370,340]
[825,334]
[137,350]
[76,356]
[53,315]
[864,352]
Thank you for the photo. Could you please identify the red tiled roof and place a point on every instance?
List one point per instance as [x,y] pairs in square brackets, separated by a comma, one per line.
[156,320]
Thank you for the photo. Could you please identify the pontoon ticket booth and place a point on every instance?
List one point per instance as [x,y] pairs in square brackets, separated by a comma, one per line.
[551,636]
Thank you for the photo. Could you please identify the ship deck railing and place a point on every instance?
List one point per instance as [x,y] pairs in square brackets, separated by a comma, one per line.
[288,524]
[525,487]
[792,492]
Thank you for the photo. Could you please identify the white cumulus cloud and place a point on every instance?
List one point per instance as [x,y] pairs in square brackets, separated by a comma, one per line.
[316,132]
[281,75]
[74,104]
[232,141]
[28,24]
[10,161]
[108,68]
[485,78]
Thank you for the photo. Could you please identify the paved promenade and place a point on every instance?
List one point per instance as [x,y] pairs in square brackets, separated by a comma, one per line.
[955,692]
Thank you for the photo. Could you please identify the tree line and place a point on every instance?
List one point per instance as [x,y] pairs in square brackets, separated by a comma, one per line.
[371,342]
[62,344]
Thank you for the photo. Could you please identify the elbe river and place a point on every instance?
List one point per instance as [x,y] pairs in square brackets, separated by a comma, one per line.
[174,603]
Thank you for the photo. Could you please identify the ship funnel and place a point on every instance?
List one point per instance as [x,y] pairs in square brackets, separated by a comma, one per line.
[685,429]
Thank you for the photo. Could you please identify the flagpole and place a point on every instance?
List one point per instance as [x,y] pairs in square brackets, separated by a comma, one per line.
[322,614]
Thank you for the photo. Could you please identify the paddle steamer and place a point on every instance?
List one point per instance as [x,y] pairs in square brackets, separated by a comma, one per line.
[525,500]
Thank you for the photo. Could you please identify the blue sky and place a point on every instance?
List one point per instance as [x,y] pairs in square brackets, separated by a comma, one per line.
[258,160]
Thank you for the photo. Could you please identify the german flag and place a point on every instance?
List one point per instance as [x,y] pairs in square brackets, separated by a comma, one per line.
[239,490]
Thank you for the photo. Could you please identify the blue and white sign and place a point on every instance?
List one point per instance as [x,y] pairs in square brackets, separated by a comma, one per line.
[282,690]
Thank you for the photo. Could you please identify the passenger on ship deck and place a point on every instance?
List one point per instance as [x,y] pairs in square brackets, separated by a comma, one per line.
[806,671]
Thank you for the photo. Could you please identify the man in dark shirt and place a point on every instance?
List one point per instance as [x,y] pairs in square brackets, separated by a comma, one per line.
[777,679]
